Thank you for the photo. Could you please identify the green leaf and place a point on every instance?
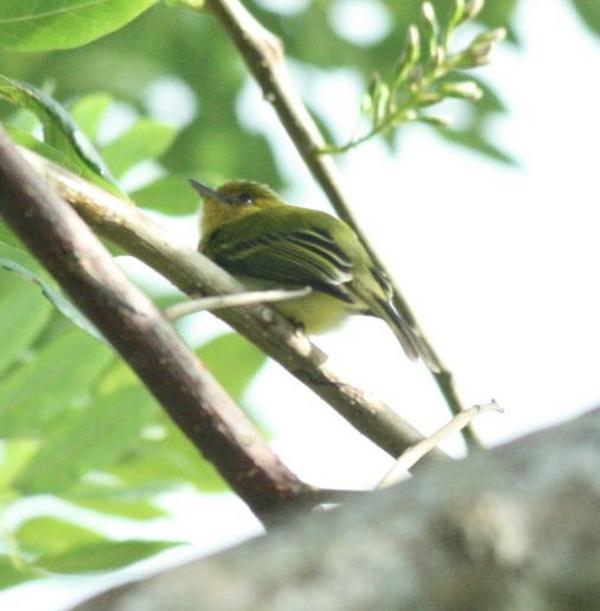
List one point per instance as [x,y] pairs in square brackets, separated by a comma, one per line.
[25,139]
[61,303]
[118,376]
[60,131]
[89,111]
[23,119]
[233,360]
[30,25]
[56,379]
[168,461]
[8,236]
[473,140]
[105,556]
[19,255]
[23,314]
[13,572]
[15,454]
[589,11]
[499,13]
[87,440]
[166,458]
[118,500]
[146,139]
[50,535]
[169,194]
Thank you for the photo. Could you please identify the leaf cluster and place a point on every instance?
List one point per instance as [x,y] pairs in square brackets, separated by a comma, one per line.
[427,73]
[75,422]
[77,426]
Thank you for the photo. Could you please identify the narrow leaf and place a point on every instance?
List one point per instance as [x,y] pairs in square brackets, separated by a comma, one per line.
[168,462]
[89,111]
[61,303]
[118,500]
[109,555]
[60,131]
[25,139]
[50,535]
[233,360]
[473,140]
[15,454]
[23,314]
[56,379]
[8,236]
[87,440]
[13,573]
[589,11]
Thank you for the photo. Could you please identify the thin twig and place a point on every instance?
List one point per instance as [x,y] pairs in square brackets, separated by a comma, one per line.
[185,308]
[412,455]
[65,245]
[264,55]
[193,273]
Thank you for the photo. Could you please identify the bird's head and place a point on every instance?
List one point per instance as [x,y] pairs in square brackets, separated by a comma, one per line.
[232,201]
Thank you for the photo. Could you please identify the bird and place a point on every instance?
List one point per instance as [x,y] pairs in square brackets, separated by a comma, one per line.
[266,243]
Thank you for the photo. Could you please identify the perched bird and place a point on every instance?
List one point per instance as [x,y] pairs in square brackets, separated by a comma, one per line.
[266,243]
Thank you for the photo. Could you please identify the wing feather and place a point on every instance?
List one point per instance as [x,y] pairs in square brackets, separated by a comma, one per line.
[278,250]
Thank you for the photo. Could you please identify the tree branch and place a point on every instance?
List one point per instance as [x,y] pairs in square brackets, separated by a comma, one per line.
[130,322]
[516,527]
[264,55]
[194,274]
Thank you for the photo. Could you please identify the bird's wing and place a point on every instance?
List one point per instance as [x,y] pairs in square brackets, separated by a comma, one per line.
[282,246]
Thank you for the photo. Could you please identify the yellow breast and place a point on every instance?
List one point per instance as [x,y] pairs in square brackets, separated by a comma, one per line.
[317,312]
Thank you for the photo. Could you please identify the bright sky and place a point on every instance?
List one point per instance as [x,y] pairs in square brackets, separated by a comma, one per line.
[500,265]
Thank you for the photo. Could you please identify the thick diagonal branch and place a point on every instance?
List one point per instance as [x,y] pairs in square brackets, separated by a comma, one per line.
[264,56]
[193,273]
[516,527]
[137,330]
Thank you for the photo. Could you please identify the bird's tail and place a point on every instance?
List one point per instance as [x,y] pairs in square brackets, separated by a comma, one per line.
[413,344]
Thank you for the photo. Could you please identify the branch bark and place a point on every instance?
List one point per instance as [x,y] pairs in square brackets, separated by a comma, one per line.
[264,55]
[193,273]
[516,527]
[130,322]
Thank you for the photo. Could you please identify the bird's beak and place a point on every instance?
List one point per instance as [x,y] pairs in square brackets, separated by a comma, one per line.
[206,191]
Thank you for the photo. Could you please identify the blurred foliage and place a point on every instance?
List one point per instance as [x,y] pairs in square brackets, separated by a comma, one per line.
[75,422]
[428,72]
[77,425]
[175,42]
[589,11]
[164,41]
[311,37]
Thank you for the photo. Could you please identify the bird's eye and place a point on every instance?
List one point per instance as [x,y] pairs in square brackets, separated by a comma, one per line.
[245,198]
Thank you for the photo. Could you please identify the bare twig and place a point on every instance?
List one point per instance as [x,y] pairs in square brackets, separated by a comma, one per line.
[264,55]
[193,273]
[412,455]
[179,310]
[131,323]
